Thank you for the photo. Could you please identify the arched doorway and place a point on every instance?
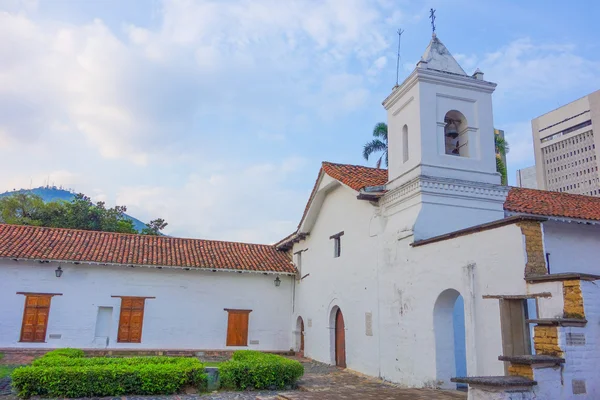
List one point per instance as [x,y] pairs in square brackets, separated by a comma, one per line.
[300,336]
[450,345]
[340,340]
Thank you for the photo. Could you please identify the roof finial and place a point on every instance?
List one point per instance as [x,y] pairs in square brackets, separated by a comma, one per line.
[432,17]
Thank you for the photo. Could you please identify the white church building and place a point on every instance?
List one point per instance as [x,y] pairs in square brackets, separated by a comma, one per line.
[418,274]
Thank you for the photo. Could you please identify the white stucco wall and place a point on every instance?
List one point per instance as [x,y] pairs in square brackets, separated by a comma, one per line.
[563,240]
[186,313]
[412,279]
[582,359]
[380,273]
[348,282]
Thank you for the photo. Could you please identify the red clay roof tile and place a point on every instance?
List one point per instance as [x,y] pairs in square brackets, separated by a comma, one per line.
[356,176]
[555,204]
[54,244]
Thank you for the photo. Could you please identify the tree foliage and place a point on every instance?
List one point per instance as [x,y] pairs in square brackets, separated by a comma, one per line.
[79,213]
[502,149]
[154,227]
[379,144]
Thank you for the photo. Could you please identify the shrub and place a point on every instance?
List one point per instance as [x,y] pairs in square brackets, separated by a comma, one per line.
[109,377]
[93,361]
[255,370]
[66,352]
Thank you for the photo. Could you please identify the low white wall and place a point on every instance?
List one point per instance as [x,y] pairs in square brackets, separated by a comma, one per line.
[186,313]
[563,240]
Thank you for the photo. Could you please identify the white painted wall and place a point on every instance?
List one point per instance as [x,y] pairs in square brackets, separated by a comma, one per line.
[564,240]
[412,280]
[581,361]
[380,272]
[348,282]
[187,312]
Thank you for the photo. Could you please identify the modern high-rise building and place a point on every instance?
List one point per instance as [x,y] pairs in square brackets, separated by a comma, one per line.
[566,148]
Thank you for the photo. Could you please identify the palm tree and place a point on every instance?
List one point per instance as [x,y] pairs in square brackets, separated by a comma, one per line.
[379,144]
[502,149]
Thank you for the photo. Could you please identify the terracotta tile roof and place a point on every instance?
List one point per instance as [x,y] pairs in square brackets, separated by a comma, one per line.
[556,204]
[38,243]
[356,176]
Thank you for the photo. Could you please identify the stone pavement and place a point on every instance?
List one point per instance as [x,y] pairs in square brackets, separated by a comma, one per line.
[322,381]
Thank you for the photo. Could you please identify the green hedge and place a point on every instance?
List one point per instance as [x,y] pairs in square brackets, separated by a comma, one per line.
[66,352]
[255,370]
[92,361]
[111,377]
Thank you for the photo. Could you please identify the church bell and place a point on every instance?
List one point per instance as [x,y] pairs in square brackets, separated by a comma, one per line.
[450,130]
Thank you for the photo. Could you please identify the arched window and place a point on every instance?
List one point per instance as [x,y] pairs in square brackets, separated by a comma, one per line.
[455,134]
[404,143]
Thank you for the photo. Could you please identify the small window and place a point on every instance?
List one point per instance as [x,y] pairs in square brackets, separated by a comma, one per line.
[131,319]
[337,244]
[237,327]
[35,318]
[404,143]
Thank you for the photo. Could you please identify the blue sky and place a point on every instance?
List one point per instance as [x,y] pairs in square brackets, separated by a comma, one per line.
[215,115]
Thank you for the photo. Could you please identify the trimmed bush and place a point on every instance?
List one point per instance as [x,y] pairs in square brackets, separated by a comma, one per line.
[66,352]
[93,361]
[103,377]
[250,369]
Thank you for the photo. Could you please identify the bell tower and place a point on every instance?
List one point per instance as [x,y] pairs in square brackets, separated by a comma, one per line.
[441,146]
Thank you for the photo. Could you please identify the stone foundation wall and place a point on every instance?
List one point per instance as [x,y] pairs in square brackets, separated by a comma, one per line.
[521,370]
[545,340]
[534,247]
[573,300]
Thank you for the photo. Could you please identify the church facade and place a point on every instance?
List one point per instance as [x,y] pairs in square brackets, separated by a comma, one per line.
[419,274]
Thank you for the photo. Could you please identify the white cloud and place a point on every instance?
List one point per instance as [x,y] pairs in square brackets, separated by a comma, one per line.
[231,204]
[536,70]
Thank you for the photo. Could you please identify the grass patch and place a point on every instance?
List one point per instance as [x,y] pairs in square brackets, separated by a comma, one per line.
[6,370]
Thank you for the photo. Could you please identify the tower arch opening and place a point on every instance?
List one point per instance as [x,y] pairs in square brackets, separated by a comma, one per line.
[456,135]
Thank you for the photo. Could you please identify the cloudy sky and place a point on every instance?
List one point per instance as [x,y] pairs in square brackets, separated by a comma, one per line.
[216,114]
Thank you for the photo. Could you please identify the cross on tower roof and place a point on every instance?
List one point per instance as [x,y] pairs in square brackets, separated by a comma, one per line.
[432,18]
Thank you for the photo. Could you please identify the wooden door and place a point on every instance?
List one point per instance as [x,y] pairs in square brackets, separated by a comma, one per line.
[35,318]
[515,330]
[340,340]
[237,327]
[131,320]
[301,335]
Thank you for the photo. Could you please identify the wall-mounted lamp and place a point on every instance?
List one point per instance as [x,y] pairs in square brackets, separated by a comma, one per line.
[277,281]
[58,271]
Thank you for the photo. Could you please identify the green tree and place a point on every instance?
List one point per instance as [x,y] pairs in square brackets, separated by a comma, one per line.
[502,149]
[154,227]
[80,213]
[379,144]
[21,209]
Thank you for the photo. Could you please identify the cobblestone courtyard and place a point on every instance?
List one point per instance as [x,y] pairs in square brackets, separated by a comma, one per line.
[320,381]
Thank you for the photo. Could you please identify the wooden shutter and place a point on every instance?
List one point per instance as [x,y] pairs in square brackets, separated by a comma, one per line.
[237,327]
[131,320]
[35,318]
